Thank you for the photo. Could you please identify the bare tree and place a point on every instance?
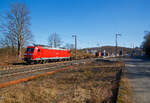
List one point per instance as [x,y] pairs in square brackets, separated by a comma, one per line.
[146,43]
[54,40]
[16,27]
[69,46]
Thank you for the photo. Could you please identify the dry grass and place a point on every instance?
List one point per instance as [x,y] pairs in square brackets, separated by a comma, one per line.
[125,94]
[80,54]
[8,57]
[83,84]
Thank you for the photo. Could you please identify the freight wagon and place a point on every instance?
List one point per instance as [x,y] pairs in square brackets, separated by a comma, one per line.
[42,54]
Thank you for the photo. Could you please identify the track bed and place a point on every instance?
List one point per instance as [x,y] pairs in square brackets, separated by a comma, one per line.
[19,73]
[93,82]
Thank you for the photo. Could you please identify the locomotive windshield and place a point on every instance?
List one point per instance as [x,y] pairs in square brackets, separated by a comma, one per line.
[30,50]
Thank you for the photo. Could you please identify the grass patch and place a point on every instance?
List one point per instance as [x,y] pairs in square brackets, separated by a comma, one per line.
[89,83]
[124,94]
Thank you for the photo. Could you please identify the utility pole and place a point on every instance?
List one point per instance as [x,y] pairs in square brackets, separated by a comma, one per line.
[133,51]
[75,37]
[117,43]
[99,48]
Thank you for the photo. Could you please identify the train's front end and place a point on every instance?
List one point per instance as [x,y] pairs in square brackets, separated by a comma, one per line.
[29,54]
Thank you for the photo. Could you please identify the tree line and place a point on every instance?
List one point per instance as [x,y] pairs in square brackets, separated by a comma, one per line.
[146,43]
[15,28]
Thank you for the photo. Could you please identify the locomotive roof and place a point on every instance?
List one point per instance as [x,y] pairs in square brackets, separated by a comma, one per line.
[46,47]
[54,48]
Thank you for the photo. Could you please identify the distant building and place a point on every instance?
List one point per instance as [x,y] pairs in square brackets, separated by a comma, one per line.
[111,50]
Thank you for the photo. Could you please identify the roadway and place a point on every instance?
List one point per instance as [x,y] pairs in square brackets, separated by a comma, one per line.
[138,72]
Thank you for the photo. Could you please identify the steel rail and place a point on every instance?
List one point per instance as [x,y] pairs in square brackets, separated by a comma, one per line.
[2,85]
[7,73]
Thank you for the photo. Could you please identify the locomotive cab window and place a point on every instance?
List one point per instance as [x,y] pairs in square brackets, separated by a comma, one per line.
[30,50]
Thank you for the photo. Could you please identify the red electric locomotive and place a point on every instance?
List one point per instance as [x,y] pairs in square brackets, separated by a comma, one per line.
[41,54]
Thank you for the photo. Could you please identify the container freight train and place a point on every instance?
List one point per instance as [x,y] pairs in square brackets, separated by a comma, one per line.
[41,54]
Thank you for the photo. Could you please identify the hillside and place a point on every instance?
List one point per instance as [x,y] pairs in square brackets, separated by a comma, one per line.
[108,49]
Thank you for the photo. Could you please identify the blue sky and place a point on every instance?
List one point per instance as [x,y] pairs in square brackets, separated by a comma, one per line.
[93,21]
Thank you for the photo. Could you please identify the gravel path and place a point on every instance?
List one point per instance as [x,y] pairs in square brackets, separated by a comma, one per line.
[139,77]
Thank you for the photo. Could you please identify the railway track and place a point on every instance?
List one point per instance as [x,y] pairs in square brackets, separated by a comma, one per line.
[16,74]
[24,65]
